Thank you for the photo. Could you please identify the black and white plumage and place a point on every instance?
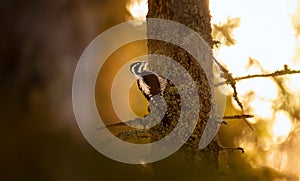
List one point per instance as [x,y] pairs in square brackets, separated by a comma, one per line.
[149,83]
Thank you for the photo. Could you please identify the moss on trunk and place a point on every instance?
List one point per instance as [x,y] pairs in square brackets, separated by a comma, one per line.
[195,15]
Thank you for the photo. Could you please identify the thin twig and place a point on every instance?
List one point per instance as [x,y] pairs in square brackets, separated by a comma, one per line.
[230,80]
[242,116]
[116,124]
[284,71]
[231,148]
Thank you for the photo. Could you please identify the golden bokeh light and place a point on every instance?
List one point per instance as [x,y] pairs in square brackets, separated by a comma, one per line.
[259,94]
[266,36]
[281,127]
[262,109]
[277,159]
[138,10]
[266,39]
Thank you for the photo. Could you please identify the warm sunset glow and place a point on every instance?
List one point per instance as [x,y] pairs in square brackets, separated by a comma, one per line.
[277,159]
[267,36]
[259,94]
[138,10]
[282,126]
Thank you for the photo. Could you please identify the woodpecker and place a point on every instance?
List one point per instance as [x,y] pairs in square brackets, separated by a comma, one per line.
[149,83]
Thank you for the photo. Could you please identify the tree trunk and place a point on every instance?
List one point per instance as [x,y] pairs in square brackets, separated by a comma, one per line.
[195,15]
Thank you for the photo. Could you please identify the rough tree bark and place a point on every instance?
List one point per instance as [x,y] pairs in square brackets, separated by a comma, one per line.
[195,15]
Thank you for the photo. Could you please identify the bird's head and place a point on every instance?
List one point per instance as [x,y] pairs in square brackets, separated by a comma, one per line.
[137,68]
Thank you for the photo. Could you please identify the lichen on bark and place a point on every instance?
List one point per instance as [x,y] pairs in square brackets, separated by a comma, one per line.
[195,15]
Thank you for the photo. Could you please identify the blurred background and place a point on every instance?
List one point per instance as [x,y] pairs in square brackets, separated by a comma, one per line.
[42,41]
